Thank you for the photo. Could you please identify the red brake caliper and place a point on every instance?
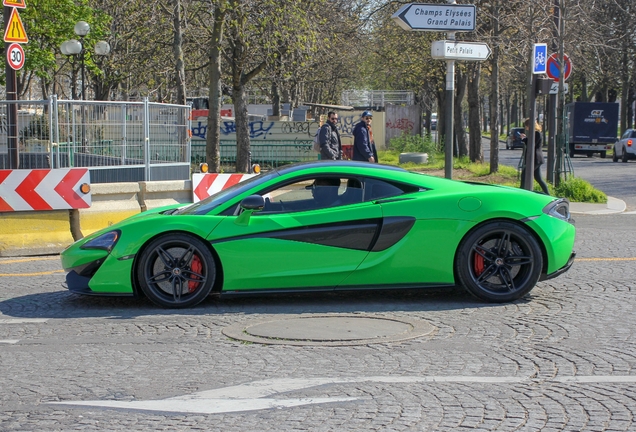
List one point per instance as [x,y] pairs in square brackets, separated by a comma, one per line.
[196,267]
[479,264]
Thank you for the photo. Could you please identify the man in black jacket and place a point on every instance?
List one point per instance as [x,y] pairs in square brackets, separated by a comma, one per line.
[329,138]
[362,144]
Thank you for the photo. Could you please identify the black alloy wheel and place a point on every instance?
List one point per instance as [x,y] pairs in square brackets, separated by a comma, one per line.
[176,270]
[499,262]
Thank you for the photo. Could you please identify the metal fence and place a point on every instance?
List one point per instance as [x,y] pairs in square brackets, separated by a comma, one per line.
[117,141]
[268,154]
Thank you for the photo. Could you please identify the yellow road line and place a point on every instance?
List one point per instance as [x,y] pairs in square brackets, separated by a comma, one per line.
[30,259]
[30,274]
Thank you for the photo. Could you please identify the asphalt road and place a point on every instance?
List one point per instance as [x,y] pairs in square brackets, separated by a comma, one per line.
[613,178]
[562,358]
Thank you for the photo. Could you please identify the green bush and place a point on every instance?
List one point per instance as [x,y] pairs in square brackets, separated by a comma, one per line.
[407,143]
[578,190]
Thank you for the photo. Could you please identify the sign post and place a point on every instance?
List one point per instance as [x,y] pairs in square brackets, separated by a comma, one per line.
[538,66]
[450,18]
[14,33]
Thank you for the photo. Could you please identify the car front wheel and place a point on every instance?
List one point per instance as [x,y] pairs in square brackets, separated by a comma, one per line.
[499,262]
[176,270]
[615,156]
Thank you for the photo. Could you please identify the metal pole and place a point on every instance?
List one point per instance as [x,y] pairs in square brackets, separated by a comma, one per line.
[553,101]
[448,114]
[12,108]
[532,114]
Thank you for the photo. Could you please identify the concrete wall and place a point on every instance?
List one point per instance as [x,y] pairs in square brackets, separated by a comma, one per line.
[401,119]
[264,131]
[48,232]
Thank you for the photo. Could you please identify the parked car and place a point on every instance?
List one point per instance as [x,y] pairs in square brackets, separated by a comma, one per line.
[625,148]
[434,121]
[327,226]
[513,140]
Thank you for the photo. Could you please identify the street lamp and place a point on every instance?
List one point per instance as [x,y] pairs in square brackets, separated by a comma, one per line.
[76,47]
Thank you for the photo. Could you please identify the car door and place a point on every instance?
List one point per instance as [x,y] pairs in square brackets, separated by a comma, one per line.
[414,245]
[305,236]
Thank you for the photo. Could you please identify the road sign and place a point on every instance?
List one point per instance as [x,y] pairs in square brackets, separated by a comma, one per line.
[15,56]
[15,30]
[451,50]
[554,89]
[436,17]
[539,55]
[14,3]
[43,189]
[554,68]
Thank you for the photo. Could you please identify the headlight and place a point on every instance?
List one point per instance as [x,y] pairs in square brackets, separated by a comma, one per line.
[559,209]
[105,241]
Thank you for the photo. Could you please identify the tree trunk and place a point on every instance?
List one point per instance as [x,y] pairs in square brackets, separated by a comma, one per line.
[495,9]
[458,126]
[494,112]
[475,152]
[276,106]
[242,130]
[213,137]
[177,50]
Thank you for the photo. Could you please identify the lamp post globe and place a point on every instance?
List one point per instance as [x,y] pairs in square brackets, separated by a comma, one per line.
[82,28]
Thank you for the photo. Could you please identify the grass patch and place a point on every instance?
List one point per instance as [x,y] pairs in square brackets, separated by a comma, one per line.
[575,189]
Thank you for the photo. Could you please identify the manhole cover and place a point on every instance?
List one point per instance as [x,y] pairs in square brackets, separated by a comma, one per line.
[331,330]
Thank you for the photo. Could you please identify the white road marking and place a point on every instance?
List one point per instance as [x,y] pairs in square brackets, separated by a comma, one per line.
[9,341]
[22,320]
[256,395]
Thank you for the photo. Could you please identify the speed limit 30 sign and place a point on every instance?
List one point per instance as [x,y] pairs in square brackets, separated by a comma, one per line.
[15,56]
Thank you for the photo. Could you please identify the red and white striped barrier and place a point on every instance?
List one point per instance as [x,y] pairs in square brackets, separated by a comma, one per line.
[44,189]
[204,185]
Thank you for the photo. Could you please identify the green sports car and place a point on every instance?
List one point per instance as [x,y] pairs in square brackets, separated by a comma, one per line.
[325,226]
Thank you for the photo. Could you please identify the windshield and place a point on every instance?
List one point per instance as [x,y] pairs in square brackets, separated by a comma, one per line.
[221,197]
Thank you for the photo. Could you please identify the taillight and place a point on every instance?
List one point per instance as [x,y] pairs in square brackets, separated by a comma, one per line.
[629,143]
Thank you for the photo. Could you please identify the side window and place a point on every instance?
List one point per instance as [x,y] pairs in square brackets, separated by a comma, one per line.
[633,133]
[376,189]
[312,194]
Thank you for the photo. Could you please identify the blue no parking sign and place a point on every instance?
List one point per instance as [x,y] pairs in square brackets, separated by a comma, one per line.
[539,58]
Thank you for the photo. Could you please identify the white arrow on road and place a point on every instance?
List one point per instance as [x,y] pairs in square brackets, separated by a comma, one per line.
[255,395]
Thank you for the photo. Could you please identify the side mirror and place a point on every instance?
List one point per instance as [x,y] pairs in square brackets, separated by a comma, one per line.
[253,202]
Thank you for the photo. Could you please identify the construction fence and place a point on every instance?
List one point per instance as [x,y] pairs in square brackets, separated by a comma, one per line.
[116,141]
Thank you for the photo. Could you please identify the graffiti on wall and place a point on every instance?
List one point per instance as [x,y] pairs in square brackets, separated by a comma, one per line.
[257,129]
[402,124]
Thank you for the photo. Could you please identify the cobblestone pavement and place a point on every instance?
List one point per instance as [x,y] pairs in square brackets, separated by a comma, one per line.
[562,358]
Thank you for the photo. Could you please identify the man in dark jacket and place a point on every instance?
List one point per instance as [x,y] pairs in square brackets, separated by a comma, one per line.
[362,145]
[329,138]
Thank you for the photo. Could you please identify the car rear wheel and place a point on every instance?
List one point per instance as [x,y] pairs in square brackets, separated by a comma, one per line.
[499,262]
[176,271]
[615,156]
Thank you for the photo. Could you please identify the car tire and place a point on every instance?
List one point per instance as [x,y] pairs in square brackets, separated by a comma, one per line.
[176,270]
[625,158]
[603,154]
[614,156]
[499,262]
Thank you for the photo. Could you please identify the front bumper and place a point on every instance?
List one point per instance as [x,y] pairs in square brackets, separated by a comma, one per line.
[560,271]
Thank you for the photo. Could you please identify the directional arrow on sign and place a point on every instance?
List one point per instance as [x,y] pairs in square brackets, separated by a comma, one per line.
[204,185]
[436,17]
[42,189]
[450,50]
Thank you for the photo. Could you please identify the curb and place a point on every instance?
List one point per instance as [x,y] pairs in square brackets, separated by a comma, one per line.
[614,205]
